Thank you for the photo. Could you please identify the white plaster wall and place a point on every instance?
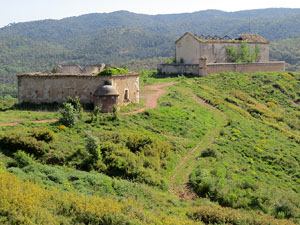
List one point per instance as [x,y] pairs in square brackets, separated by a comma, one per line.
[188,49]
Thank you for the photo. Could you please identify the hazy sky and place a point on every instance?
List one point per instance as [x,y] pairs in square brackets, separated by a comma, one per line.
[28,10]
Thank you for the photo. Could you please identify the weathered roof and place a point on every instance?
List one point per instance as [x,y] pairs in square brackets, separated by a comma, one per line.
[106,90]
[56,75]
[253,38]
[250,38]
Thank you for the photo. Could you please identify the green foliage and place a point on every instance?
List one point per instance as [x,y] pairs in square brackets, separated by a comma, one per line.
[256,151]
[43,134]
[69,115]
[96,114]
[23,159]
[287,50]
[170,60]
[116,115]
[252,165]
[95,159]
[14,141]
[243,53]
[112,71]
[134,156]
[7,103]
[220,215]
[77,105]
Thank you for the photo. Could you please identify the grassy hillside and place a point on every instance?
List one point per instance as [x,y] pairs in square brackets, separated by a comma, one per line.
[246,173]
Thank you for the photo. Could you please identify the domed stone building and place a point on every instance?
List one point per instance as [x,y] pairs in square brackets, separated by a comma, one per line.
[98,90]
[106,97]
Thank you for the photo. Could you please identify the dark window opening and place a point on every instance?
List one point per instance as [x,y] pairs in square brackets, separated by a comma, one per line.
[126,95]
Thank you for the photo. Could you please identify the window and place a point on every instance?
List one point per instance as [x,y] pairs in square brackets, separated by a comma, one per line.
[126,95]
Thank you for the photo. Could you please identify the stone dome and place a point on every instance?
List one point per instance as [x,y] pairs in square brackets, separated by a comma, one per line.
[106,90]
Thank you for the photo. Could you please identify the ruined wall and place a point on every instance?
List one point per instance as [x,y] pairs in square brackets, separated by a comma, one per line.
[76,69]
[243,67]
[89,69]
[69,69]
[212,68]
[178,68]
[188,49]
[216,52]
[191,50]
[57,88]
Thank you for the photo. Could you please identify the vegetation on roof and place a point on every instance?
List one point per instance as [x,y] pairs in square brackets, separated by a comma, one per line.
[112,71]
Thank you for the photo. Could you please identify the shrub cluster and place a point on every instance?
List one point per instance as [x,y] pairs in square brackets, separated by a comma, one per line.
[133,156]
[43,134]
[112,71]
[24,202]
[220,215]
[14,141]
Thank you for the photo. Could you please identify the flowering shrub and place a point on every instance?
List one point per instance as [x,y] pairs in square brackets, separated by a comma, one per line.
[220,215]
[23,202]
[62,127]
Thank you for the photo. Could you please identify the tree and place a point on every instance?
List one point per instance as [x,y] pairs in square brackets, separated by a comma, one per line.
[243,53]
[69,116]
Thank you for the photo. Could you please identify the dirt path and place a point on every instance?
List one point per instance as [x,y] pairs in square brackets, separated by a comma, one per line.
[32,121]
[179,181]
[151,93]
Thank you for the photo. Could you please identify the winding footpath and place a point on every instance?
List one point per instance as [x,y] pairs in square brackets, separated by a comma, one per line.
[179,182]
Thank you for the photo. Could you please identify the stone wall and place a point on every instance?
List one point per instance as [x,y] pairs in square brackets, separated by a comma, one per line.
[178,68]
[243,67]
[40,88]
[212,68]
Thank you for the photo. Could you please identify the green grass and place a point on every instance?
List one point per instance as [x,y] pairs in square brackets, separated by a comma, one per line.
[248,160]
[256,165]
[133,106]
[11,116]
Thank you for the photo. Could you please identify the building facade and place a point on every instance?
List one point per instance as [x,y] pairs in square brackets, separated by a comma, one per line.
[204,55]
[57,87]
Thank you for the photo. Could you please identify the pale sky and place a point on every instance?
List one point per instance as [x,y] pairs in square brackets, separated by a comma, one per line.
[29,10]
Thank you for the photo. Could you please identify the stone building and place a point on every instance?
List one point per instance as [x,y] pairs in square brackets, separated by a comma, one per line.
[72,81]
[203,55]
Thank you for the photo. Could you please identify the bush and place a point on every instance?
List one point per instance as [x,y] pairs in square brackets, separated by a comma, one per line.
[209,152]
[23,159]
[69,115]
[77,106]
[112,71]
[43,135]
[13,142]
[220,215]
[95,160]
[96,114]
